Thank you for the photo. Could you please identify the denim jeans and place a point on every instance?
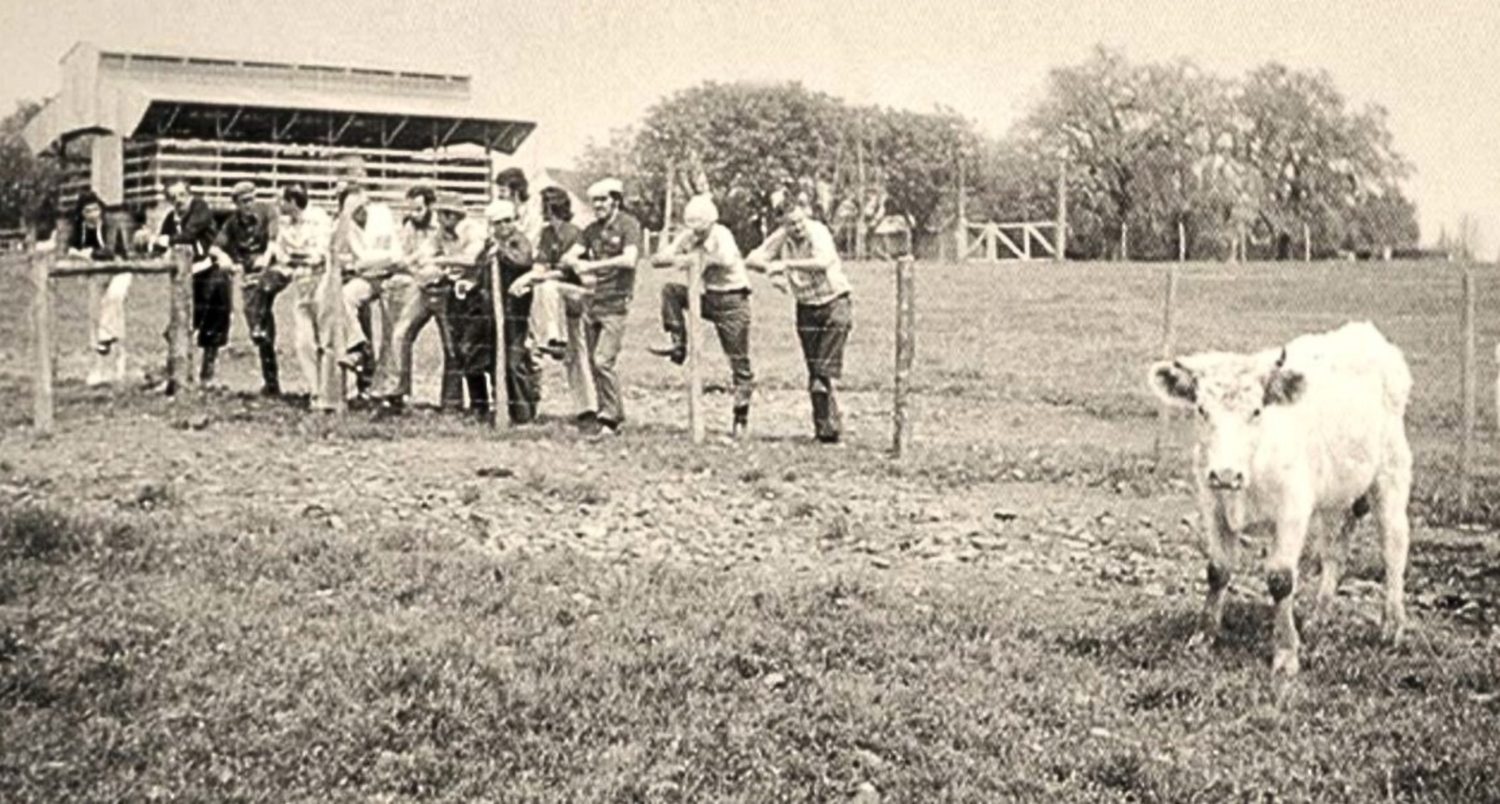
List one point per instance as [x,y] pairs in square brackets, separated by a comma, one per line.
[606,334]
[412,305]
[823,330]
[729,312]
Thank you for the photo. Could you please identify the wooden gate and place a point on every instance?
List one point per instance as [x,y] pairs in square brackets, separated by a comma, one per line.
[993,242]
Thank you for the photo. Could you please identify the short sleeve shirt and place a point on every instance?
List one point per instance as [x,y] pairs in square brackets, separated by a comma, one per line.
[603,240]
[723,266]
[553,243]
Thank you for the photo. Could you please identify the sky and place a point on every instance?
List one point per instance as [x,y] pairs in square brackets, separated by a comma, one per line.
[580,68]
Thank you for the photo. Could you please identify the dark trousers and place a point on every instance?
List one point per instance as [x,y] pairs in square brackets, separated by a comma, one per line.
[823,330]
[261,290]
[729,312]
[473,320]
[211,303]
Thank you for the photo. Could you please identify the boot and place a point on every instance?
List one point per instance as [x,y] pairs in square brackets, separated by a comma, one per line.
[210,362]
[825,417]
[268,371]
[741,421]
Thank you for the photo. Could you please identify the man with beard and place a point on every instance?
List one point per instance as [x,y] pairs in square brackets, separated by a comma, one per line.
[437,244]
[607,253]
[473,314]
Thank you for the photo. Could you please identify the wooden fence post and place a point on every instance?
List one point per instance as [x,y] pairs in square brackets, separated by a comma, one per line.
[41,329]
[1466,456]
[501,396]
[180,323]
[906,321]
[1168,346]
[1062,212]
[694,348]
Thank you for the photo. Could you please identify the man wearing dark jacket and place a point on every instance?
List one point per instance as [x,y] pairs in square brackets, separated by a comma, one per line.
[191,223]
[244,243]
[473,314]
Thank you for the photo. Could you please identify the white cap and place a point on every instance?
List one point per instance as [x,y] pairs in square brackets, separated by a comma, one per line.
[500,208]
[700,212]
[606,187]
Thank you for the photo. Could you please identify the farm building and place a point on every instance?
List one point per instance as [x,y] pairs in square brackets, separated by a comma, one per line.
[124,122]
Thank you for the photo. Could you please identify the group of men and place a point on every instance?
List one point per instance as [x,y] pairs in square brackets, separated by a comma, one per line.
[562,292]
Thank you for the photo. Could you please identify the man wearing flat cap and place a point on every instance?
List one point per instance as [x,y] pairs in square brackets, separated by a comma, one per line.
[243,244]
[726,297]
[608,252]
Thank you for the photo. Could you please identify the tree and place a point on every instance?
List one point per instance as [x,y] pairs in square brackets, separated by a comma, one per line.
[742,139]
[1317,161]
[915,158]
[28,183]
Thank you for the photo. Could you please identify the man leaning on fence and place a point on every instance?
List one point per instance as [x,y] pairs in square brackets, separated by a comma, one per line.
[559,299]
[418,291]
[243,244]
[191,223]
[801,255]
[725,300]
[299,253]
[606,255]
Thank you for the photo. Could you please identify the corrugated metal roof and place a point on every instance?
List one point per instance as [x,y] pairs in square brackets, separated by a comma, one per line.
[106,91]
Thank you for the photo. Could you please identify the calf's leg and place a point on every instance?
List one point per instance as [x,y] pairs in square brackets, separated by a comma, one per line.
[1392,492]
[1219,541]
[1281,581]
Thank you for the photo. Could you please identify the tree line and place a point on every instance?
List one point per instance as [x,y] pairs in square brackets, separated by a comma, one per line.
[1155,157]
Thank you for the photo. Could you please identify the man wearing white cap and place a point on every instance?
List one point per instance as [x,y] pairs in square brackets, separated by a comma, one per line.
[726,297]
[473,315]
[608,252]
[801,254]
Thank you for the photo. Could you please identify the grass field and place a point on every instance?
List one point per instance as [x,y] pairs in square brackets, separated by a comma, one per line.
[228,599]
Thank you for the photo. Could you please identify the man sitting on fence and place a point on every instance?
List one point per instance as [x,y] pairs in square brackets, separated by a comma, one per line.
[92,239]
[364,251]
[243,244]
[191,223]
[726,297]
[802,254]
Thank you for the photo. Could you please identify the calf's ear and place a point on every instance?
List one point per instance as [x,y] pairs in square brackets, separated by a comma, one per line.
[1284,387]
[1173,383]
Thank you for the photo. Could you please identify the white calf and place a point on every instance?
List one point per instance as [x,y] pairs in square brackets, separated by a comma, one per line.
[1313,430]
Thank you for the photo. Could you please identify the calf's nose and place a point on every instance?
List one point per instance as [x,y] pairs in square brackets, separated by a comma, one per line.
[1226,479]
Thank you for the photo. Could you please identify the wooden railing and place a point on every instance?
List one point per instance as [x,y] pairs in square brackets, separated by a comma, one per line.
[47,266]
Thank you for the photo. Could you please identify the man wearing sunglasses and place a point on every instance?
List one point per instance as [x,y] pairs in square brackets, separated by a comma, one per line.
[608,252]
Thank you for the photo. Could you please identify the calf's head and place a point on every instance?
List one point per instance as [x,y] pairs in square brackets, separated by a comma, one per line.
[1228,393]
